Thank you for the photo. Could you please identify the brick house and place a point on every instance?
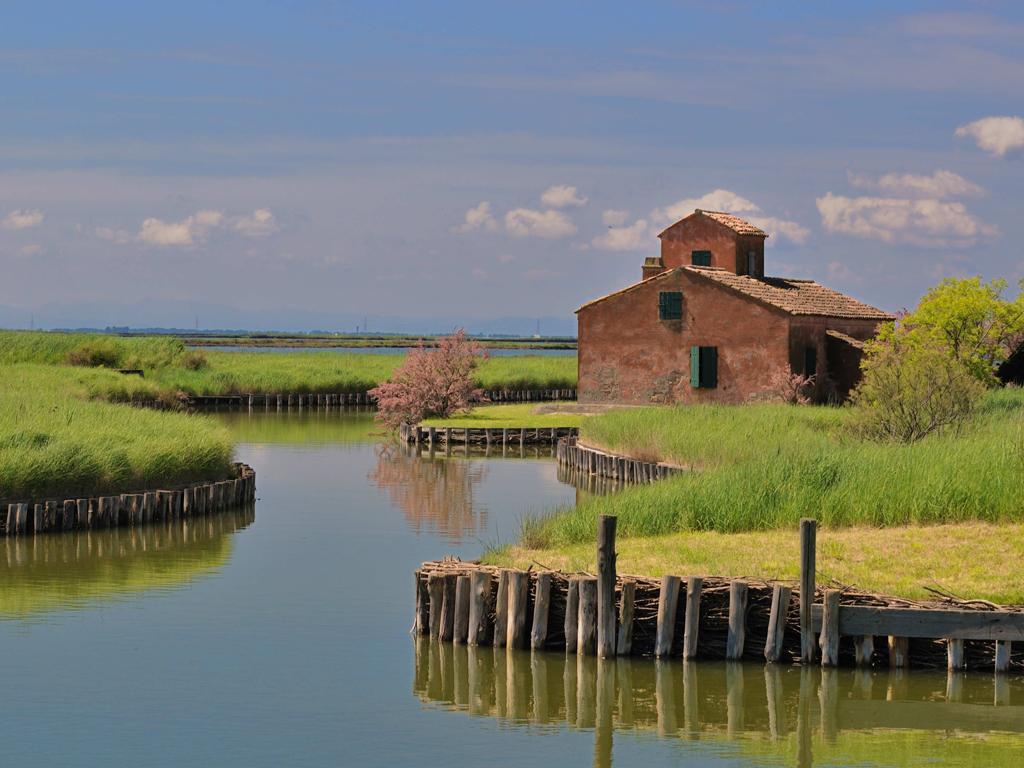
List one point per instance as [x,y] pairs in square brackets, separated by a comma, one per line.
[705,324]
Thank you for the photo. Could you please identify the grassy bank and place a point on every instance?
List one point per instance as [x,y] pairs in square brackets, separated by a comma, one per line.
[172,368]
[518,415]
[56,438]
[947,509]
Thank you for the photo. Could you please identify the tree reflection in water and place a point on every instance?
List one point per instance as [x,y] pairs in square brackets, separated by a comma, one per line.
[436,494]
[759,713]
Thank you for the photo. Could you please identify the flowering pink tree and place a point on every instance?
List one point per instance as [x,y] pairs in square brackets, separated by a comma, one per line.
[430,382]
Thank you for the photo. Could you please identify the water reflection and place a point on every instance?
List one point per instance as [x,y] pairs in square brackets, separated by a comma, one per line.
[71,570]
[761,713]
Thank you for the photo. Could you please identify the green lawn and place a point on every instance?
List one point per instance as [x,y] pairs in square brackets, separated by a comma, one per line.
[56,439]
[518,416]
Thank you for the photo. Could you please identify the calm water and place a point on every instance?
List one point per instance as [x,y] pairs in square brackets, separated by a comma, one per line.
[279,636]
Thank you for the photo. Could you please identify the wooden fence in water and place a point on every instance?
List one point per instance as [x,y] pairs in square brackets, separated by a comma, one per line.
[609,615]
[23,517]
[583,460]
[297,400]
[478,436]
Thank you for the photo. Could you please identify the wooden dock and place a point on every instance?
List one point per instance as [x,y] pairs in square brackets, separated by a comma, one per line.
[477,436]
[703,617]
[281,401]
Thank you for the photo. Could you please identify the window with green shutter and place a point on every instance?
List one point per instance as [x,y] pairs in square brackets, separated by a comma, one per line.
[670,305]
[700,258]
[704,367]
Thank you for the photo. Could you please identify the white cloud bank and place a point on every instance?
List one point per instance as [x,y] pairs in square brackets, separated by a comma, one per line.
[996,135]
[642,233]
[562,196]
[259,223]
[938,185]
[925,222]
[193,229]
[525,222]
[22,219]
[478,219]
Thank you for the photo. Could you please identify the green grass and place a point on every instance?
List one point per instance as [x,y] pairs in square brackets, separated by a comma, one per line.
[230,373]
[508,416]
[57,439]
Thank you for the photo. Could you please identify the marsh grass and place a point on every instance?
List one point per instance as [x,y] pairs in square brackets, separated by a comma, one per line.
[57,439]
[518,415]
[761,468]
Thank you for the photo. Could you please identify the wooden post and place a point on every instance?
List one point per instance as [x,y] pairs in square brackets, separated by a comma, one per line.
[501,611]
[541,609]
[461,631]
[691,621]
[777,623]
[808,534]
[572,607]
[435,594]
[586,637]
[898,650]
[479,608]
[1002,656]
[606,586]
[830,629]
[955,654]
[624,642]
[421,621]
[737,620]
[863,650]
[518,598]
[447,628]
[668,599]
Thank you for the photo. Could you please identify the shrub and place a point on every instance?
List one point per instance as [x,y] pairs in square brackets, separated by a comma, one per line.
[194,361]
[96,353]
[912,386]
[430,382]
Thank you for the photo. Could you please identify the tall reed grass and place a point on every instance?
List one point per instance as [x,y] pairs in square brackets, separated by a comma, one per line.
[764,467]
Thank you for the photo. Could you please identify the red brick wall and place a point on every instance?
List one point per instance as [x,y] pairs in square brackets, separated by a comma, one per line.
[628,355]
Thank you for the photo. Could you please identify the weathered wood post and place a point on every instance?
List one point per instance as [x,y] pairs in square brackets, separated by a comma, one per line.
[479,607]
[572,608]
[863,650]
[606,586]
[461,631]
[518,598]
[624,641]
[830,629]
[777,623]
[435,594]
[541,610]
[501,611]
[586,638]
[668,599]
[1003,648]
[421,621]
[447,629]
[691,621]
[955,654]
[899,648]
[737,620]
[808,535]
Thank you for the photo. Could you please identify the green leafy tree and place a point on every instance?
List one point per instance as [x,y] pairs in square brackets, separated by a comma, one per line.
[977,325]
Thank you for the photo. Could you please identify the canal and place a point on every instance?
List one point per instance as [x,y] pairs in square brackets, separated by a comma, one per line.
[278,635]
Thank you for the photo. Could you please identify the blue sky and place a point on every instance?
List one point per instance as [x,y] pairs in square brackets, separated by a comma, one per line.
[276,164]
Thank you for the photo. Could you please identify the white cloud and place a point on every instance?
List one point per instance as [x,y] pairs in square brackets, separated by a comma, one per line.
[190,230]
[259,223]
[940,184]
[614,218]
[478,218]
[525,222]
[995,135]
[22,219]
[118,236]
[562,195]
[927,222]
[642,233]
[638,236]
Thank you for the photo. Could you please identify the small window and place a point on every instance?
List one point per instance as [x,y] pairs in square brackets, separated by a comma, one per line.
[810,361]
[752,264]
[700,258]
[670,305]
[704,367]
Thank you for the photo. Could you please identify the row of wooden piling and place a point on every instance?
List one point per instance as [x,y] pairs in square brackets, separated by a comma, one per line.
[580,458]
[295,400]
[703,617]
[127,509]
[478,436]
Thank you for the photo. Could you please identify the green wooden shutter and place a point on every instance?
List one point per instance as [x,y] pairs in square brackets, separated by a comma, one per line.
[709,367]
[694,366]
[700,258]
[670,305]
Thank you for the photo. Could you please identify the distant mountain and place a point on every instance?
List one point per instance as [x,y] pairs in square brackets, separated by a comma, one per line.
[188,316]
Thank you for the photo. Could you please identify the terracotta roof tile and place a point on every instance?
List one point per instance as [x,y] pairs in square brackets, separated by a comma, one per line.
[856,343]
[798,297]
[735,223]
